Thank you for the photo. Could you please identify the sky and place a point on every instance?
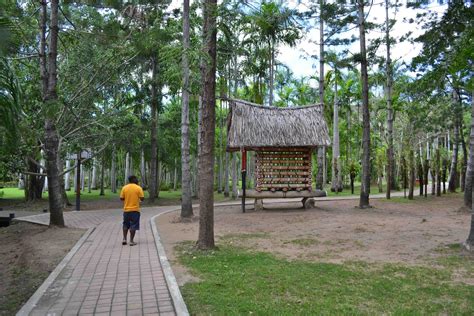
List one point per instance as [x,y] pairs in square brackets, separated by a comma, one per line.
[301,66]
[294,58]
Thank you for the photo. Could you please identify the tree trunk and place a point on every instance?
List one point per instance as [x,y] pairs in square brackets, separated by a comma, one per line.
[206,154]
[464,157]
[272,70]
[221,148]
[113,176]
[470,238]
[390,160]
[175,176]
[102,171]
[470,165]
[420,174]
[127,168]
[403,166]
[93,184]
[454,160]
[426,172]
[199,145]
[51,141]
[143,170]
[153,185]
[438,169]
[320,175]
[89,182]
[61,183]
[34,184]
[445,171]
[412,164]
[365,179]
[336,182]
[67,184]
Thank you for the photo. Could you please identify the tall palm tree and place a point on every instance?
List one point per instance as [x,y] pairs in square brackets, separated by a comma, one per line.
[365,179]
[276,24]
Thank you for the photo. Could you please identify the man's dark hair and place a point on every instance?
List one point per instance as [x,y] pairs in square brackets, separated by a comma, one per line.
[133,179]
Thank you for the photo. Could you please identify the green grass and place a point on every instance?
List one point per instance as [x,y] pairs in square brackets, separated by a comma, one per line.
[236,282]
[17,194]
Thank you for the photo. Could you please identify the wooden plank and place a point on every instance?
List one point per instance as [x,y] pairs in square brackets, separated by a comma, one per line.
[269,156]
[287,149]
[284,185]
[281,180]
[281,161]
[273,168]
[284,173]
[281,194]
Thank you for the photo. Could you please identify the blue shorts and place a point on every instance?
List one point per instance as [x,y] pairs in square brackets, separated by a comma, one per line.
[131,220]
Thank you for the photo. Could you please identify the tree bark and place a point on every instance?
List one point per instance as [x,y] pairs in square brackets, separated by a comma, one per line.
[470,167]
[186,198]
[206,154]
[425,173]
[94,175]
[465,157]
[153,185]
[272,70]
[67,184]
[470,238]
[102,172]
[412,164]
[61,183]
[453,174]
[336,182]
[454,159]
[34,184]
[365,179]
[320,175]
[143,170]
[390,160]
[127,168]
[438,169]
[50,101]
[113,176]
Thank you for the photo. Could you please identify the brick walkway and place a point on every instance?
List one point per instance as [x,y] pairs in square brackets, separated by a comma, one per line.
[104,277]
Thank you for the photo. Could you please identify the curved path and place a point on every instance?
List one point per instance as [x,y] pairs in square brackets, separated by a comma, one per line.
[102,277]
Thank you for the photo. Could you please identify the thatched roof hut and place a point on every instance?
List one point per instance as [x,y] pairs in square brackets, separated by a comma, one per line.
[252,126]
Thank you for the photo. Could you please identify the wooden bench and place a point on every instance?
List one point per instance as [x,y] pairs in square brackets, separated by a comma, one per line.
[307,196]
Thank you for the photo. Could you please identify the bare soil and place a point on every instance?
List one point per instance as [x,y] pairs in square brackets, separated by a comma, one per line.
[28,254]
[335,231]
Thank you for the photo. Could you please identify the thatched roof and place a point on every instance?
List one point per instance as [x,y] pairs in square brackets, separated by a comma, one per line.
[253,126]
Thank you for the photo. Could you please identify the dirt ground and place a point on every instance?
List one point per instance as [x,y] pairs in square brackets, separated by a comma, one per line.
[28,254]
[334,231]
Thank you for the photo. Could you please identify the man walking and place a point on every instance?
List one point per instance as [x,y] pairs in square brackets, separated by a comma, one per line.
[131,195]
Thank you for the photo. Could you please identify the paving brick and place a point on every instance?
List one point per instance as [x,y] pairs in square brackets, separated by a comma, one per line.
[105,277]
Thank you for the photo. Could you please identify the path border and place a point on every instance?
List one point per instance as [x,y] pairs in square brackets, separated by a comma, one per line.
[31,303]
[178,302]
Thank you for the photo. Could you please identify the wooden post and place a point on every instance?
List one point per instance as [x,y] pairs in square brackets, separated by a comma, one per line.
[78,182]
[244,173]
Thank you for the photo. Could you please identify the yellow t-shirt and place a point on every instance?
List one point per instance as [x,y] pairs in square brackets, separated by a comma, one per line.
[131,193]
